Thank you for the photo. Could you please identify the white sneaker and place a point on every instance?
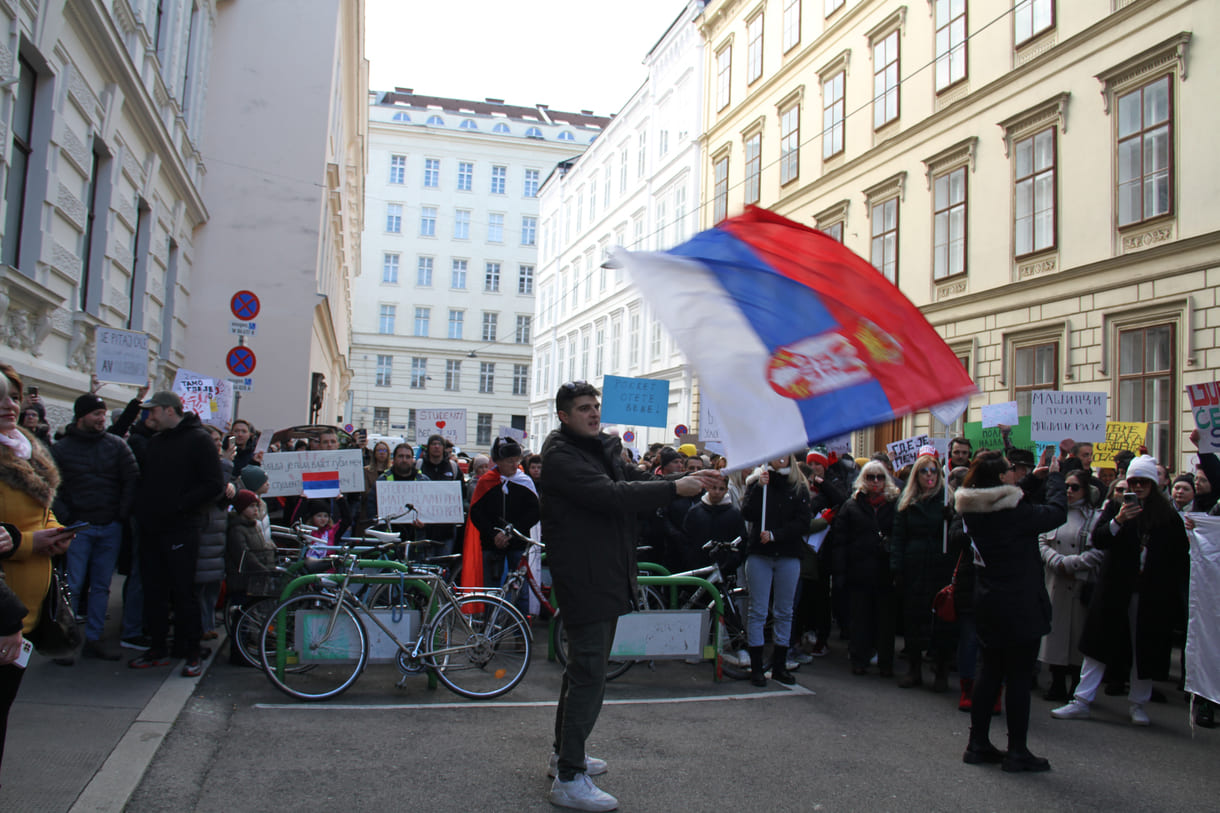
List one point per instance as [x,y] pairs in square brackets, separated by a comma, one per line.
[1138,715]
[593,766]
[802,657]
[580,794]
[1076,710]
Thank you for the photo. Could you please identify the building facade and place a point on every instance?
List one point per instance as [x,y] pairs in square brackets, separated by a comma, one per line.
[103,112]
[285,141]
[1034,175]
[444,313]
[636,187]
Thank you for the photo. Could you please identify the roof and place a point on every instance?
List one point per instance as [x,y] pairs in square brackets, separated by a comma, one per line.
[537,114]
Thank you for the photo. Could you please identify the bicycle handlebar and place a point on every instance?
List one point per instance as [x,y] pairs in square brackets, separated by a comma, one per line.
[715,544]
[513,532]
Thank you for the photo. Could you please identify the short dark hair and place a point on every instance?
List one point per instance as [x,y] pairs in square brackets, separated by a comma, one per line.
[570,391]
[1076,448]
[964,441]
[406,446]
[986,471]
[435,439]
[327,431]
[532,459]
[249,425]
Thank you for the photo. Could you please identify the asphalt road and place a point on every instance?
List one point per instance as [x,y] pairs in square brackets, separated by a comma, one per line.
[675,740]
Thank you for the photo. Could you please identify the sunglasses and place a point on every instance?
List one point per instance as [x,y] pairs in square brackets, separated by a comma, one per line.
[1073,486]
[874,477]
[572,385]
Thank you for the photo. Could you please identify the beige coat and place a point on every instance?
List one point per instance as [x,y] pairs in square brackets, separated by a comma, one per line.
[1071,563]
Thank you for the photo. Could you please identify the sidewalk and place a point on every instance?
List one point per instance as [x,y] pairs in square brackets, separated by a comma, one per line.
[80,737]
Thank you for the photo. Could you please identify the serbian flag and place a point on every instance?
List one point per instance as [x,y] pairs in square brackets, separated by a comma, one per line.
[794,338]
[472,543]
[320,484]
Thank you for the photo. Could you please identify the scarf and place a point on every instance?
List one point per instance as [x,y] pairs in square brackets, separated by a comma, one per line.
[18,442]
[876,500]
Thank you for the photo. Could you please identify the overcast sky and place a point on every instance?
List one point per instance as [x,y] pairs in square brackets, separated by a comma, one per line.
[570,54]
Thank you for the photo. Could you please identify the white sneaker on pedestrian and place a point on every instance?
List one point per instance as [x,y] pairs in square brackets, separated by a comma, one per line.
[580,794]
[1138,715]
[593,766]
[802,657]
[1076,710]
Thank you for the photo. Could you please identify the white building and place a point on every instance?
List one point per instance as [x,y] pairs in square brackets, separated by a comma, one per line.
[443,314]
[638,187]
[101,119]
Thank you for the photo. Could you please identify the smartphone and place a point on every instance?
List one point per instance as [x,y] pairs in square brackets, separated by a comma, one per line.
[32,391]
[24,658]
[76,526]
[1130,498]
[228,442]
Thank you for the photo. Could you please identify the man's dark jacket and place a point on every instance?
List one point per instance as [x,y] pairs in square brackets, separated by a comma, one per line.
[99,477]
[182,475]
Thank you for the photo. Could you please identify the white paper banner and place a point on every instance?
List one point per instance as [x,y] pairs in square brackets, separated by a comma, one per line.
[1055,415]
[122,356]
[709,426]
[948,412]
[209,398]
[448,423]
[905,452]
[508,432]
[436,501]
[997,414]
[284,470]
[1203,628]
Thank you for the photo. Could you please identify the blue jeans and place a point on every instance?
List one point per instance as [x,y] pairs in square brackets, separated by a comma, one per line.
[770,578]
[93,553]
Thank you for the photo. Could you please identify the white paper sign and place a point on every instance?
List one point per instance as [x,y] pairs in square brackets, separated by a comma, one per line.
[436,501]
[905,452]
[284,470]
[448,423]
[948,412]
[209,398]
[996,414]
[709,426]
[1056,416]
[508,432]
[840,445]
[122,356]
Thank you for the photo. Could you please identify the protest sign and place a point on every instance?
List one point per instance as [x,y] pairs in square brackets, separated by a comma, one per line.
[448,423]
[840,445]
[635,401]
[1205,406]
[709,426]
[950,411]
[122,356]
[285,470]
[435,501]
[904,452]
[1120,435]
[990,437]
[1056,415]
[209,398]
[997,414]
[508,432]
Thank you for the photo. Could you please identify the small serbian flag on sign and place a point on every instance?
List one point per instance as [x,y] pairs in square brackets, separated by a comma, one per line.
[794,338]
[320,483]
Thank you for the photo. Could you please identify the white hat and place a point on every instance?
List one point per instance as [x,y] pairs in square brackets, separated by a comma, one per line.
[1144,467]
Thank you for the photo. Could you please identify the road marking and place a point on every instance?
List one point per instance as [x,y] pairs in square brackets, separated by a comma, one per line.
[794,691]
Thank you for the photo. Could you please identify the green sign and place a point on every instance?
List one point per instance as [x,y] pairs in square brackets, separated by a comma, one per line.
[990,438]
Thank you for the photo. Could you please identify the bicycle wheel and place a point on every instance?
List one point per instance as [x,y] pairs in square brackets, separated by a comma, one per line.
[479,648]
[383,596]
[307,657]
[733,645]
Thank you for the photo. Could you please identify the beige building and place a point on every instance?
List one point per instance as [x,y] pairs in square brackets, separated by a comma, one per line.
[1037,176]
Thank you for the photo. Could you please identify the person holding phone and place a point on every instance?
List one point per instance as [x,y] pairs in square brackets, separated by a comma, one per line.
[1140,590]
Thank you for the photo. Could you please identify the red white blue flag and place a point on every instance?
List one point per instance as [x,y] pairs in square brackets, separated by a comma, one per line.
[320,484]
[793,337]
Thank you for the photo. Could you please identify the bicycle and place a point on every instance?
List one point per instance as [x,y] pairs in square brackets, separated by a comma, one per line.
[315,645]
[731,638]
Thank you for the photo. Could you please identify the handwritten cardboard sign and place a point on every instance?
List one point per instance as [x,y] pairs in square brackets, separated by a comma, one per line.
[436,501]
[122,356]
[905,452]
[709,424]
[448,423]
[209,398]
[981,437]
[1056,415]
[635,401]
[996,414]
[1205,407]
[284,470]
[1120,436]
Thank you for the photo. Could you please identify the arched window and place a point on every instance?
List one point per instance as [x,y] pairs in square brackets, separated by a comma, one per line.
[533,132]
[592,138]
[566,136]
[436,121]
[401,115]
[469,124]
[501,127]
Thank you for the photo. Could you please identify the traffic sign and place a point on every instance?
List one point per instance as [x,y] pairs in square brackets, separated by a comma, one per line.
[680,430]
[240,328]
[629,436]
[240,361]
[347,427]
[244,305]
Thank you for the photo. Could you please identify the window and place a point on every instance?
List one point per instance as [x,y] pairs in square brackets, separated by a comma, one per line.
[563,292]
[529,230]
[950,42]
[1030,18]
[419,373]
[385,319]
[461,224]
[834,111]
[616,343]
[491,277]
[655,344]
[792,24]
[422,317]
[501,127]
[389,268]
[531,183]
[831,6]
[622,170]
[432,172]
[495,228]
[522,335]
[525,279]
[385,370]
[790,144]
[584,355]
[1145,156]
[393,218]
[435,121]
[572,357]
[533,132]
[724,69]
[490,321]
[606,182]
[1035,367]
[457,275]
[592,200]
[1035,192]
[398,169]
[566,135]
[720,195]
[835,230]
[465,176]
[499,179]
[381,417]
[633,340]
[753,187]
[427,221]
[754,49]
[457,320]
[949,224]
[884,248]
[680,213]
[885,80]
[411,422]
[521,379]
[580,207]
[423,272]
[468,124]
[482,432]
[401,115]
[1146,388]
[641,157]
[453,375]
[599,351]
[487,377]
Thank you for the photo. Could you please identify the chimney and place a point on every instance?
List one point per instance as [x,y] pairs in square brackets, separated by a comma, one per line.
[490,100]
[586,112]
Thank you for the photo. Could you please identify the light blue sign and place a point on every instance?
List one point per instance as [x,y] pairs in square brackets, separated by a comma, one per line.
[635,401]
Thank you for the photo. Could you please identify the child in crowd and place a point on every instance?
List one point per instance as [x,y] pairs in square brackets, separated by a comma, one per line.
[318,515]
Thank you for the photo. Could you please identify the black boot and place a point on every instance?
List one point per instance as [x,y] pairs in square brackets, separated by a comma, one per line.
[757,678]
[940,672]
[980,751]
[779,666]
[914,675]
[1058,690]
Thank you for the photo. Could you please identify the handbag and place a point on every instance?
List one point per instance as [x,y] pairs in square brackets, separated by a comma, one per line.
[57,634]
[944,603]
